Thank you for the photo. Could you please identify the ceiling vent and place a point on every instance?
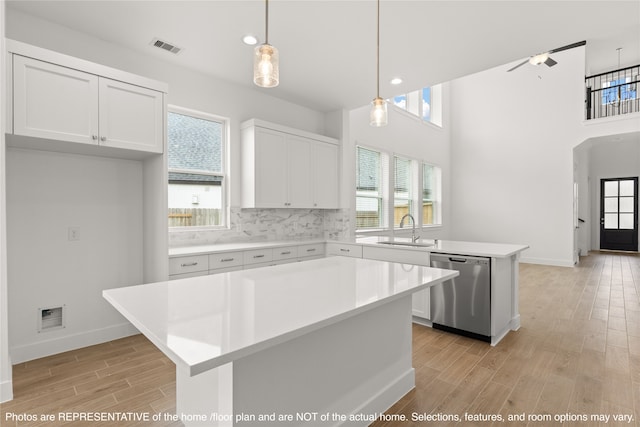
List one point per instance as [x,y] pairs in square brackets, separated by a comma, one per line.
[166,46]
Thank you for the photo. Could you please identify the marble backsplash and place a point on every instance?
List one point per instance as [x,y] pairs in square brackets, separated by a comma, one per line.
[256,225]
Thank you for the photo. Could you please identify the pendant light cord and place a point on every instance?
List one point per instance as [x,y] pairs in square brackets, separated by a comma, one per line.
[378,53]
[266,22]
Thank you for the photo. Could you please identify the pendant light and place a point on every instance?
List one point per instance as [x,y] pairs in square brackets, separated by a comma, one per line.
[266,71]
[378,116]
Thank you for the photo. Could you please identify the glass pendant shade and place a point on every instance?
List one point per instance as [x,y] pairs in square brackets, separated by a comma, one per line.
[265,66]
[378,116]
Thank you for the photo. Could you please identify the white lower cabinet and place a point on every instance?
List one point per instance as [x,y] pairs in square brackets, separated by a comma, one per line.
[222,262]
[188,266]
[421,300]
[344,249]
[315,250]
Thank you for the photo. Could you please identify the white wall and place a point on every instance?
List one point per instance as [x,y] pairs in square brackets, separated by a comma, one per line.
[512,168]
[45,198]
[6,383]
[408,136]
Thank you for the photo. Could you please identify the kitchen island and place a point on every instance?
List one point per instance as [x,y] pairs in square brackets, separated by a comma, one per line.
[315,343]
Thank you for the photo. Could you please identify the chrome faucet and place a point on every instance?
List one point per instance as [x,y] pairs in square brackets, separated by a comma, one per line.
[413,223]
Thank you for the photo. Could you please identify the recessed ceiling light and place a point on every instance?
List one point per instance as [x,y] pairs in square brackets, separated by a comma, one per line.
[396,81]
[250,39]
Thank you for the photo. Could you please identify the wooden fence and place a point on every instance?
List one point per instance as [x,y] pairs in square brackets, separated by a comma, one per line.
[189,217]
[371,219]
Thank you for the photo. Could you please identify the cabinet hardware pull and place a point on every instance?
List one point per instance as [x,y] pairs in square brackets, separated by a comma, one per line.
[311,250]
[103,138]
[226,259]
[258,256]
[285,253]
[345,250]
[188,264]
[94,137]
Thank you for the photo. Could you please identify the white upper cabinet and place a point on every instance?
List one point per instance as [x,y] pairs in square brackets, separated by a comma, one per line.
[59,98]
[326,176]
[131,117]
[54,102]
[286,168]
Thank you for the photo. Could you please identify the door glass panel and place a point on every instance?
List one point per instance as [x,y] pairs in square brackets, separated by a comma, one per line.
[610,188]
[611,221]
[626,204]
[626,188]
[611,204]
[626,221]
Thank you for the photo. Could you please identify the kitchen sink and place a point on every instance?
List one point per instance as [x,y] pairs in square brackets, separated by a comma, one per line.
[415,244]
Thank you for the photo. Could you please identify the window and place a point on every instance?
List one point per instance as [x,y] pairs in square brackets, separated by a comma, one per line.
[383,198]
[619,90]
[402,194]
[429,186]
[195,151]
[369,206]
[425,103]
[400,101]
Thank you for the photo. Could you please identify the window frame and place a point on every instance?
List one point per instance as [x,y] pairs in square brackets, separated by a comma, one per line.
[383,209]
[387,170]
[223,174]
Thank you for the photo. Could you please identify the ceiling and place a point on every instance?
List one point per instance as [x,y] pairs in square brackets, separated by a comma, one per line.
[327,47]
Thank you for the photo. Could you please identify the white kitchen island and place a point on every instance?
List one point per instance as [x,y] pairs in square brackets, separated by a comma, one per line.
[325,342]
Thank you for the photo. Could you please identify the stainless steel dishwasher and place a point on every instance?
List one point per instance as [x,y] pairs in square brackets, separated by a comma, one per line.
[463,304]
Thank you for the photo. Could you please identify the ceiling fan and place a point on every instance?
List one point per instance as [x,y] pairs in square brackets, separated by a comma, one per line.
[544,58]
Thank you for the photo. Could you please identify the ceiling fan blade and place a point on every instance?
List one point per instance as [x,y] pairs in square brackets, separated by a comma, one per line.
[569,46]
[550,62]
[519,65]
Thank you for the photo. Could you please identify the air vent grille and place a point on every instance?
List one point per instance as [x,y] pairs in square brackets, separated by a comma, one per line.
[169,47]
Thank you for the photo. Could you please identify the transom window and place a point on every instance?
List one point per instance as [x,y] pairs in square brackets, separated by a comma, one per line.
[424,103]
[195,150]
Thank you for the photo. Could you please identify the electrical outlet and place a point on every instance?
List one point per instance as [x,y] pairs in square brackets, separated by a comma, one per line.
[73,234]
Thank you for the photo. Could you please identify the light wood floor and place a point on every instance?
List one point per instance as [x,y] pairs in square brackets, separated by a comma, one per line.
[577,353]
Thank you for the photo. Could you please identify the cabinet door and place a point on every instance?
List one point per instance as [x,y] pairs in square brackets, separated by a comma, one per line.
[54,102]
[299,168]
[325,176]
[270,169]
[130,117]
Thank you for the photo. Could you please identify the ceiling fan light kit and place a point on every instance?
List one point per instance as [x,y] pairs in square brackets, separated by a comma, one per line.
[544,58]
[266,69]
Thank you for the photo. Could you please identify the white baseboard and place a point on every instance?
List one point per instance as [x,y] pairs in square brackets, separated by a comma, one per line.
[6,391]
[24,353]
[547,261]
[385,398]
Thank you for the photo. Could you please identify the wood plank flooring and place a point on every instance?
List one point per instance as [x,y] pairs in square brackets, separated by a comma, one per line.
[577,354]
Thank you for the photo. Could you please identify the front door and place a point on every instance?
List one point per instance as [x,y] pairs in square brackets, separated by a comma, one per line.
[619,214]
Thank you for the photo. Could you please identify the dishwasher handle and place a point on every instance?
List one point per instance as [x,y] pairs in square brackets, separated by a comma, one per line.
[460,260]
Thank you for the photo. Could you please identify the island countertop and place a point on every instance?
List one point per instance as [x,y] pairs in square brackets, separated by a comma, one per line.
[204,322]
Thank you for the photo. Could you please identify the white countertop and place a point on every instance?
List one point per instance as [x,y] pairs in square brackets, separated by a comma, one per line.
[204,322]
[239,246]
[491,250]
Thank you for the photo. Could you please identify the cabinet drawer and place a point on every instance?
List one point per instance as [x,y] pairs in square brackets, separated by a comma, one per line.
[343,249]
[225,259]
[315,249]
[257,256]
[188,264]
[285,253]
